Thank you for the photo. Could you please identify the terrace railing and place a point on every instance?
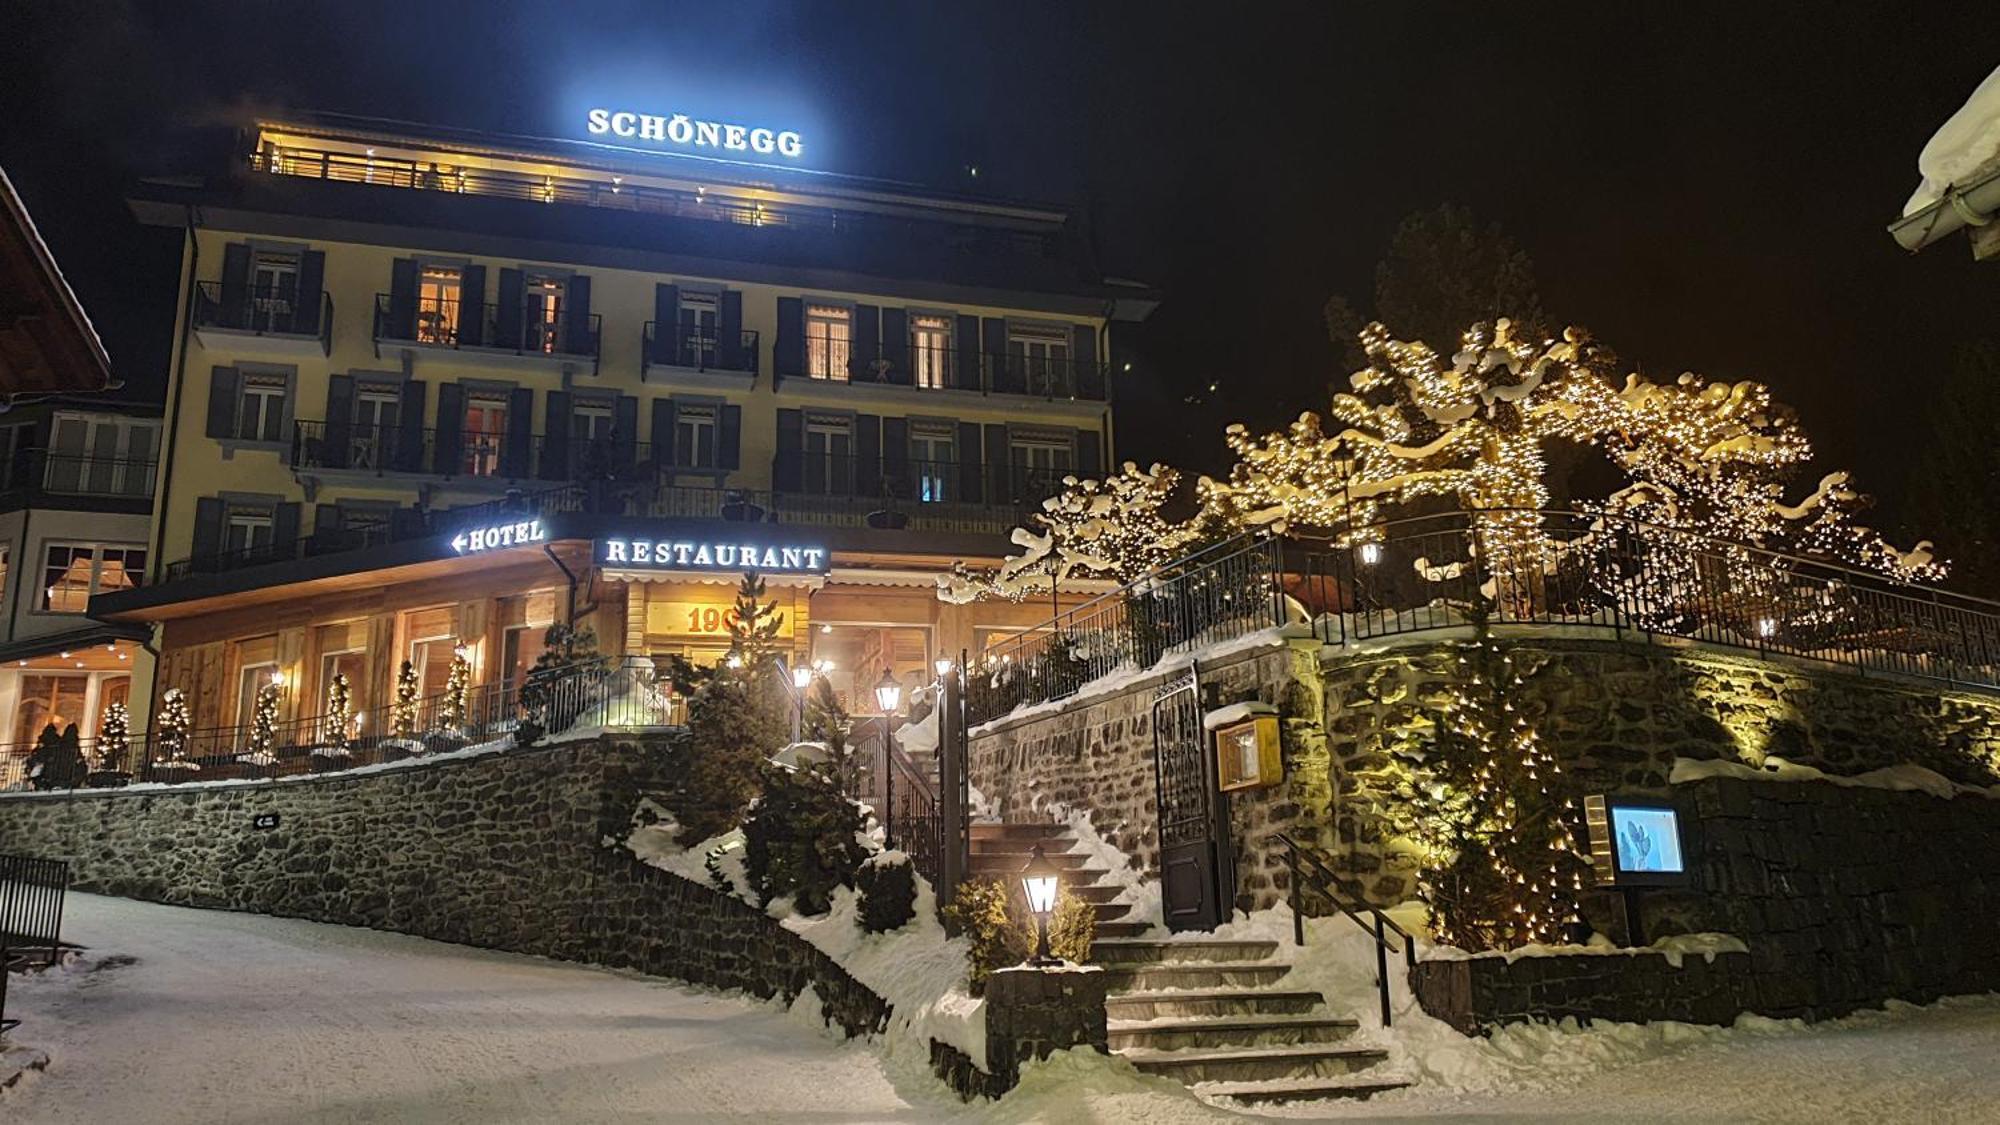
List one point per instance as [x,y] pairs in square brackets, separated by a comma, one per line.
[1529,569]
[698,349]
[835,359]
[445,322]
[265,311]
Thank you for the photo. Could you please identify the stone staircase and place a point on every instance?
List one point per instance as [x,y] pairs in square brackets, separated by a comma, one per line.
[1213,1014]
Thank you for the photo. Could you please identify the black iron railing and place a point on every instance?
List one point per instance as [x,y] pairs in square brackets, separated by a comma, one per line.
[1311,875]
[1532,569]
[708,499]
[479,454]
[31,903]
[611,192]
[50,473]
[444,322]
[949,369]
[698,349]
[265,311]
[914,481]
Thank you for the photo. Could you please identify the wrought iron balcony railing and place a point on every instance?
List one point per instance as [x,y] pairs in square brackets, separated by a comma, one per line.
[479,454]
[265,311]
[699,349]
[44,473]
[525,330]
[948,369]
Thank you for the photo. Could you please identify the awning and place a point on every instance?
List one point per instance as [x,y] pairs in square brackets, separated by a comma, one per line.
[70,640]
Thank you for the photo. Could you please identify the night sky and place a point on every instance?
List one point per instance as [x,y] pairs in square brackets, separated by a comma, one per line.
[1703,187]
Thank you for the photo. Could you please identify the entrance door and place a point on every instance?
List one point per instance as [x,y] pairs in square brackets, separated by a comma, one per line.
[1193,863]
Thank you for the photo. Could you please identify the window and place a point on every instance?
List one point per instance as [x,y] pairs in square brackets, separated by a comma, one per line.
[246,529]
[48,699]
[353,663]
[93,455]
[933,461]
[249,682]
[274,290]
[72,572]
[432,658]
[376,407]
[485,430]
[698,321]
[365,524]
[541,320]
[437,304]
[829,339]
[829,456]
[1039,358]
[260,409]
[1040,463]
[694,436]
[930,350]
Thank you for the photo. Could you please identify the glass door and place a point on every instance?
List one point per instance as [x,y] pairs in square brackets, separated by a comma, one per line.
[933,461]
[374,426]
[437,305]
[698,326]
[1041,357]
[485,430]
[930,350]
[829,460]
[274,291]
[589,438]
[541,319]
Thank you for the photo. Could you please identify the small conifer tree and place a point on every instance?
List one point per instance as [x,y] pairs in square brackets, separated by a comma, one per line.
[403,713]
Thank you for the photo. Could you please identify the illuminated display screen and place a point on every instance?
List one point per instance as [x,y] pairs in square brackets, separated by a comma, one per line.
[1648,839]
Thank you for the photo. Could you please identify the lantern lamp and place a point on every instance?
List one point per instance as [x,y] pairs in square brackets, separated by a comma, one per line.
[1040,879]
[802,677]
[888,692]
[943,666]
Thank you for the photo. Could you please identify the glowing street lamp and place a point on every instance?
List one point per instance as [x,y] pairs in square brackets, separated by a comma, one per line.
[888,692]
[802,677]
[1040,879]
[943,666]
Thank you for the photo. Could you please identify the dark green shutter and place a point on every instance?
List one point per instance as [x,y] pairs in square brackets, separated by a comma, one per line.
[336,435]
[577,339]
[791,354]
[450,441]
[222,384]
[868,454]
[285,530]
[515,454]
[402,323]
[1089,458]
[312,279]
[507,327]
[867,343]
[791,450]
[729,446]
[410,417]
[965,369]
[896,344]
[326,527]
[666,324]
[625,435]
[1001,375]
[207,532]
[663,432]
[896,457]
[730,352]
[999,468]
[1085,374]
[236,283]
[472,306]
[556,458]
[971,481]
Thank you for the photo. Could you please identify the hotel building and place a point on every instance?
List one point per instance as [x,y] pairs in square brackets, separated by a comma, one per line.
[436,391]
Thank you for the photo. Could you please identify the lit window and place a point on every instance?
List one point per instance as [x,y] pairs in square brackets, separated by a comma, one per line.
[933,462]
[694,437]
[260,412]
[829,338]
[437,305]
[72,572]
[930,350]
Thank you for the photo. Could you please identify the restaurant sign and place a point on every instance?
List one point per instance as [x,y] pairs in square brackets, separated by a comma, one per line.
[675,554]
[519,534]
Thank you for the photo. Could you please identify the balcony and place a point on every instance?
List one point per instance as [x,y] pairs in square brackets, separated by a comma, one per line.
[282,320]
[472,456]
[41,478]
[949,370]
[497,332]
[832,491]
[683,350]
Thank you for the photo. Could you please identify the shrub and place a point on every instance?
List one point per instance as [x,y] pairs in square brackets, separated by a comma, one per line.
[888,885]
[995,917]
[802,838]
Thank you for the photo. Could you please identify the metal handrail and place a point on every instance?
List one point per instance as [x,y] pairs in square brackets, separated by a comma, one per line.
[698,349]
[400,319]
[1325,883]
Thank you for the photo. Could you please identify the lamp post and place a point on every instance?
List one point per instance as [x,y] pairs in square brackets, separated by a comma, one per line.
[888,694]
[1040,880]
[802,678]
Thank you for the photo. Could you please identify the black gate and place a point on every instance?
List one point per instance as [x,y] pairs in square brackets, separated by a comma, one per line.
[1190,809]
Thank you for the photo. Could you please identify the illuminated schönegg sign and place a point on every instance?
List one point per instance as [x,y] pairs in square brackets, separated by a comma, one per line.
[678,130]
[671,554]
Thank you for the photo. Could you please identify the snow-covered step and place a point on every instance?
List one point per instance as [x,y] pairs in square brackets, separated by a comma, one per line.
[1295,1089]
[1175,1034]
[1113,952]
[1124,928]
[1097,894]
[1106,911]
[1255,1064]
[1192,974]
[1030,833]
[1223,1003]
[1015,859]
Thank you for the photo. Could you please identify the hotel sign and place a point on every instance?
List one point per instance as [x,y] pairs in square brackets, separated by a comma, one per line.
[517,534]
[681,131]
[675,554]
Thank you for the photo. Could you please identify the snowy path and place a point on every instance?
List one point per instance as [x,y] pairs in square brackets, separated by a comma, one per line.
[234,1018]
[241,1018]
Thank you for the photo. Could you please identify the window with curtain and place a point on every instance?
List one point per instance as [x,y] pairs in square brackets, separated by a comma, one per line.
[829,341]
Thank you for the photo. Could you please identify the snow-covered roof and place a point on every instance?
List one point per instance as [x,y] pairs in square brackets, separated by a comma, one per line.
[38,249]
[1965,148]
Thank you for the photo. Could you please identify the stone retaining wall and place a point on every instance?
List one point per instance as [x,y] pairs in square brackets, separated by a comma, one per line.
[513,851]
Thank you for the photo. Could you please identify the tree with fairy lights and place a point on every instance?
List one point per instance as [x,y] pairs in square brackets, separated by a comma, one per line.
[1115,528]
[114,737]
[1489,808]
[261,749]
[339,714]
[174,722]
[457,683]
[403,712]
